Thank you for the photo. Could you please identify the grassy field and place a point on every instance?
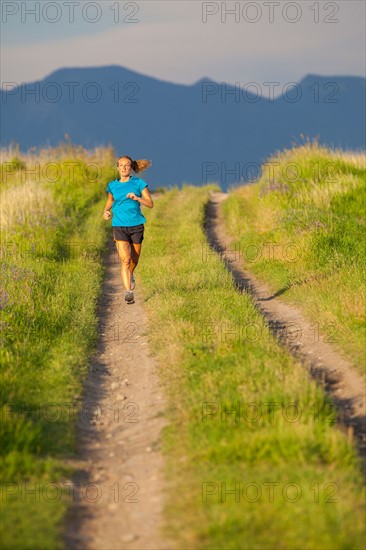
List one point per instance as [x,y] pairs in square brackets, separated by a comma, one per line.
[301,229]
[254,458]
[52,238]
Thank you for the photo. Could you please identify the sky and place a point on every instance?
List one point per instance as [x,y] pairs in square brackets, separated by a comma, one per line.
[183,41]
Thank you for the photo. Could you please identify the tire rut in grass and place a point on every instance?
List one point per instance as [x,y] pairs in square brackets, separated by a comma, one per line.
[118,485]
[323,361]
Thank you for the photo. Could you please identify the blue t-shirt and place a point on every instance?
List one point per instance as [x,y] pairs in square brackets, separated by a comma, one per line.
[126,212]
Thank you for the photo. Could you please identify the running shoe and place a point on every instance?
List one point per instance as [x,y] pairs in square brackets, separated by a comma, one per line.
[133,283]
[129,297]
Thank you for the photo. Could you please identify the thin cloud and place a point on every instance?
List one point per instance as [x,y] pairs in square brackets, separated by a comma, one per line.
[172,43]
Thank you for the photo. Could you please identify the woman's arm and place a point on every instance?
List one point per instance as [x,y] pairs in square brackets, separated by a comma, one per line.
[108,206]
[146,200]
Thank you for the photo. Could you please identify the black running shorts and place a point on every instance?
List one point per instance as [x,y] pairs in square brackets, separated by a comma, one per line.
[132,234]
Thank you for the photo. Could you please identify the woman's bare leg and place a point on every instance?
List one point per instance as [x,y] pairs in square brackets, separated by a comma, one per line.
[135,255]
[124,252]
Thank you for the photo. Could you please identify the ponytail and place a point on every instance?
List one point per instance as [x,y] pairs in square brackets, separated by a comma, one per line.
[137,166]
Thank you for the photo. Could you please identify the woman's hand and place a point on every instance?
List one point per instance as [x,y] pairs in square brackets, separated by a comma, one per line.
[132,196]
[107,215]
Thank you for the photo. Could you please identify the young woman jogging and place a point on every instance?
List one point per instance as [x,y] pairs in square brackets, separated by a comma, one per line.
[124,198]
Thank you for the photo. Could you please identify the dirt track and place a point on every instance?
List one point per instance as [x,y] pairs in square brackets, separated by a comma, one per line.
[119,459]
[345,386]
[119,456]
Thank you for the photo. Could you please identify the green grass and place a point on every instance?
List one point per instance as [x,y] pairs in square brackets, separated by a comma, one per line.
[301,229]
[282,432]
[52,240]
[242,413]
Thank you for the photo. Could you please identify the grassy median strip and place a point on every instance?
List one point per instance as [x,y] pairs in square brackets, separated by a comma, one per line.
[301,229]
[52,239]
[254,459]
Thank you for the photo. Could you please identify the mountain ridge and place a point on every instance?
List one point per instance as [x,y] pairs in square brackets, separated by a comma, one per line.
[193,133]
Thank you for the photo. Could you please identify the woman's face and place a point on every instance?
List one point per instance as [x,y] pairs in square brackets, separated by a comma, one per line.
[124,167]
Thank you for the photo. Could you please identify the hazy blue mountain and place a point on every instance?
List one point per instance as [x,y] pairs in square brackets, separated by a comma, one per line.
[193,134]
